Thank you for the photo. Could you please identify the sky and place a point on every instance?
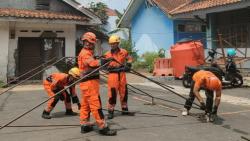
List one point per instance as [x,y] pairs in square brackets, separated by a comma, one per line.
[113,4]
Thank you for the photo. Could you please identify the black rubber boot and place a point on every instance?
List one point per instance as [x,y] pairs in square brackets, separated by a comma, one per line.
[110,114]
[70,112]
[125,111]
[86,128]
[46,115]
[107,132]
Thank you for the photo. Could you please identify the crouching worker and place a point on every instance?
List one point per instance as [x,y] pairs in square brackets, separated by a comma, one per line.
[54,84]
[90,100]
[210,83]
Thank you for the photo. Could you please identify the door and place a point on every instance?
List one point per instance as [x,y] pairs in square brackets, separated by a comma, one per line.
[30,56]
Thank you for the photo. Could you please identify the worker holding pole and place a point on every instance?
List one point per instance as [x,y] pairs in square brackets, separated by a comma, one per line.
[209,82]
[55,83]
[91,101]
[117,82]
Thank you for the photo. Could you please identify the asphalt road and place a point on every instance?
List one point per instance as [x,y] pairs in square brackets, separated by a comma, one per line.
[233,122]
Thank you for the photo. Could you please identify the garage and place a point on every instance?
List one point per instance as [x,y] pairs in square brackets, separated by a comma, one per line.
[34,51]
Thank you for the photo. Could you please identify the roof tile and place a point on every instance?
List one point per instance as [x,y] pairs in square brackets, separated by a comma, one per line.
[169,5]
[201,4]
[39,14]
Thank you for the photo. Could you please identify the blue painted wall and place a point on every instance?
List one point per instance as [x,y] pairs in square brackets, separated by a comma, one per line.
[151,30]
[193,35]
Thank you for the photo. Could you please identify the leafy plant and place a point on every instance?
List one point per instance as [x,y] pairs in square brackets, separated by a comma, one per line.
[127,45]
[99,9]
[161,53]
[149,58]
[147,61]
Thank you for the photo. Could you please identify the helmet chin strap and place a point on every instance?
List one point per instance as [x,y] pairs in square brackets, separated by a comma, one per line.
[89,47]
[114,50]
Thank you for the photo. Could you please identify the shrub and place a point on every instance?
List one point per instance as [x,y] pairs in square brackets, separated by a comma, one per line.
[127,45]
[149,58]
[147,61]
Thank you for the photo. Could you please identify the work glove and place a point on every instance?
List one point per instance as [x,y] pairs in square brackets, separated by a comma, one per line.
[61,97]
[98,57]
[214,111]
[213,114]
[79,106]
[203,106]
[128,67]
[75,99]
[105,60]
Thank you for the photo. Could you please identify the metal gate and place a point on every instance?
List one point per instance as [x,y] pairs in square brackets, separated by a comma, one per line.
[30,55]
[33,51]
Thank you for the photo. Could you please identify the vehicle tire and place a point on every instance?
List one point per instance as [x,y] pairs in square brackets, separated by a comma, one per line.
[237,80]
[185,81]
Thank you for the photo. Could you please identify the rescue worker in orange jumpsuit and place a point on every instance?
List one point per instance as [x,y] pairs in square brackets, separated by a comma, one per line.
[117,82]
[55,83]
[91,101]
[210,83]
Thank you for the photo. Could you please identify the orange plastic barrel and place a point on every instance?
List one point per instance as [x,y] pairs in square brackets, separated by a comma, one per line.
[188,53]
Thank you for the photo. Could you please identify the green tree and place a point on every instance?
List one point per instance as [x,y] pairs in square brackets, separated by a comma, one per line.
[127,45]
[100,10]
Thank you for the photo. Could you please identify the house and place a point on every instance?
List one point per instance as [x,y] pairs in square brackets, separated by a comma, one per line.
[34,31]
[111,28]
[152,26]
[228,18]
[111,25]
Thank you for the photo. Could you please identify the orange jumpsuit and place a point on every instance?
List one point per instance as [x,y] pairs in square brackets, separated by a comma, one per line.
[117,80]
[55,83]
[199,78]
[198,82]
[90,101]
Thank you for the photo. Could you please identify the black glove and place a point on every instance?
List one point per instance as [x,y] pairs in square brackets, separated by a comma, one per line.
[98,57]
[214,112]
[203,106]
[79,106]
[128,67]
[105,60]
[75,99]
[61,97]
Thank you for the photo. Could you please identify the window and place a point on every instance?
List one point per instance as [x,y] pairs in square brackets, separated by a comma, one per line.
[181,28]
[237,35]
[190,27]
[42,4]
[193,28]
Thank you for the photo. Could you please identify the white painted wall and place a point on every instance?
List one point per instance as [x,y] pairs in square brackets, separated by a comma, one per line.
[111,26]
[69,34]
[4,38]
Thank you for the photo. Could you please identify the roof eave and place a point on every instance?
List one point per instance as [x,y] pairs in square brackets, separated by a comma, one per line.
[131,10]
[47,21]
[95,20]
[204,12]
